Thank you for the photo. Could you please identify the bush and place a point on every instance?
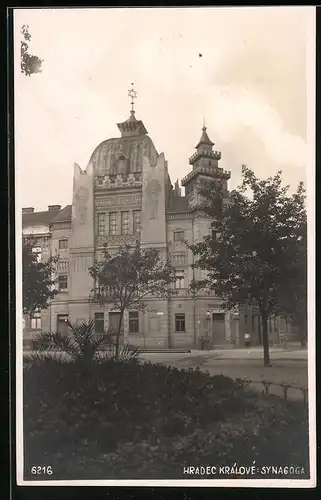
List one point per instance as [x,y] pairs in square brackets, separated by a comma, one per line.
[117,416]
[205,344]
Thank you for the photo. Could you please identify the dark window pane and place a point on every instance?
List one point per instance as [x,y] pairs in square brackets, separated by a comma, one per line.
[180,322]
[133,322]
[99,323]
[63,244]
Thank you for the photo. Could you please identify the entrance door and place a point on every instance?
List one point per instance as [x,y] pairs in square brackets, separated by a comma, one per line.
[218,328]
[62,326]
[114,318]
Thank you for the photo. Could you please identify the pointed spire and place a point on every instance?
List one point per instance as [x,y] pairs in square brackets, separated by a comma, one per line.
[204,140]
[177,189]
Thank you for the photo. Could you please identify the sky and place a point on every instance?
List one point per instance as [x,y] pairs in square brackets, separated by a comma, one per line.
[242,70]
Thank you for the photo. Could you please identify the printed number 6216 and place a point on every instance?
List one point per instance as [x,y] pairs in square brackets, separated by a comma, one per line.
[38,470]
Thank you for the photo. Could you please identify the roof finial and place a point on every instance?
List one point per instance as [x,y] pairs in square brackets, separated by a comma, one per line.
[204,126]
[133,94]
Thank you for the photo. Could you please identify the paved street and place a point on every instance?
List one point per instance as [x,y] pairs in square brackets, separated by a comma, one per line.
[288,366]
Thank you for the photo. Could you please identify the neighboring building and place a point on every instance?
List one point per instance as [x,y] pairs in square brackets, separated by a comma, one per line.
[125,195]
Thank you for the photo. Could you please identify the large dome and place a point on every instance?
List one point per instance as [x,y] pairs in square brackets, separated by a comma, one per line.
[124,155]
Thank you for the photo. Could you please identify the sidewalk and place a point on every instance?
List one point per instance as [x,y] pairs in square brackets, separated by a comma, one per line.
[277,353]
[253,353]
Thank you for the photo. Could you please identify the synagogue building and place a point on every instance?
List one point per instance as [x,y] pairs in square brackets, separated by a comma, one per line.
[126,194]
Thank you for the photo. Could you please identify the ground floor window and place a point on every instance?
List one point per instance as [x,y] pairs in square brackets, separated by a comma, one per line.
[62,324]
[218,317]
[133,322]
[99,322]
[35,322]
[114,318]
[180,322]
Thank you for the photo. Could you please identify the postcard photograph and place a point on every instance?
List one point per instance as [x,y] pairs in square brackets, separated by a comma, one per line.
[164,164]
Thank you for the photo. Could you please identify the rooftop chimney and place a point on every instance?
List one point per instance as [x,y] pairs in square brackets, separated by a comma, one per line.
[54,207]
[28,210]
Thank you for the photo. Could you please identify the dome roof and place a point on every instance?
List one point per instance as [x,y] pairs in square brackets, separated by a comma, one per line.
[124,154]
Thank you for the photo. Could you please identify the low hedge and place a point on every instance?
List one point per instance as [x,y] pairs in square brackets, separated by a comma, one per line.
[145,420]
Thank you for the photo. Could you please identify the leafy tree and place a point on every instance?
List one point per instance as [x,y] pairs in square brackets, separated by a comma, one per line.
[256,253]
[293,298]
[37,279]
[30,63]
[124,280]
[82,345]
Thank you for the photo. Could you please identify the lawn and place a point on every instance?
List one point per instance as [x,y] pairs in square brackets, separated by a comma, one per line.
[147,421]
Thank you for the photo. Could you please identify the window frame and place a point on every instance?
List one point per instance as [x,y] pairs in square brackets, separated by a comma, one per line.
[180,280]
[125,228]
[180,321]
[37,318]
[101,224]
[101,321]
[179,240]
[113,223]
[60,278]
[133,320]
[63,247]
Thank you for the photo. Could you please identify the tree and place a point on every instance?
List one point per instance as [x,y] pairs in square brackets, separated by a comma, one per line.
[256,252]
[37,279]
[125,279]
[30,63]
[293,298]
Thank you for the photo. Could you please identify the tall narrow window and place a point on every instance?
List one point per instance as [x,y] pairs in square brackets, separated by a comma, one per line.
[113,223]
[63,283]
[180,322]
[125,222]
[137,222]
[133,322]
[180,279]
[101,224]
[253,323]
[99,322]
[36,322]
[62,324]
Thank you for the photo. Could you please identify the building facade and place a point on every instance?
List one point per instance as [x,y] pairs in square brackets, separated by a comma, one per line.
[125,194]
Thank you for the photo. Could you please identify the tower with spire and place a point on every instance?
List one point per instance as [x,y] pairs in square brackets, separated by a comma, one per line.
[205,168]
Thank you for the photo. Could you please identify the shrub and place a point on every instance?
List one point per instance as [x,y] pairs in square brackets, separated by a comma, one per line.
[205,344]
[152,411]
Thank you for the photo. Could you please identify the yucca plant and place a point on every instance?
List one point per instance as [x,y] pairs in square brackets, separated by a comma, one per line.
[125,353]
[83,345]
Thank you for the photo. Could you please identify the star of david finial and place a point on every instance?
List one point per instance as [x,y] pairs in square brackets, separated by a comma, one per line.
[133,94]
